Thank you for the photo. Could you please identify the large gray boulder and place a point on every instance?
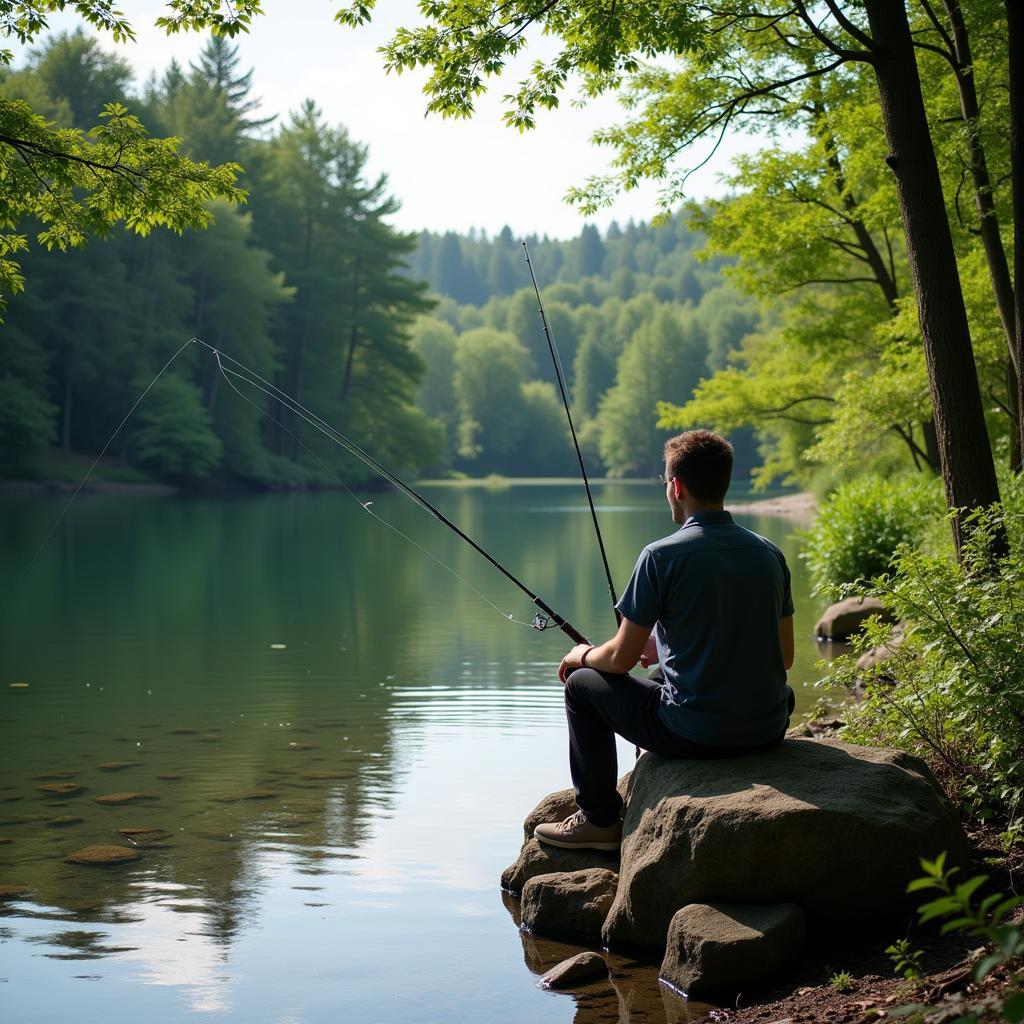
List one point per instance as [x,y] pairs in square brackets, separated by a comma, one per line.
[836,828]
[841,620]
[570,903]
[728,946]
[537,859]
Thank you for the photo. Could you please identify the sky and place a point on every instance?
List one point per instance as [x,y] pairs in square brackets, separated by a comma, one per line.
[448,175]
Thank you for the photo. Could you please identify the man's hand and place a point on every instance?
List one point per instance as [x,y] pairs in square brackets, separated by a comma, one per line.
[649,656]
[572,661]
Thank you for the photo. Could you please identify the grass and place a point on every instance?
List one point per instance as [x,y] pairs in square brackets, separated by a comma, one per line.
[841,981]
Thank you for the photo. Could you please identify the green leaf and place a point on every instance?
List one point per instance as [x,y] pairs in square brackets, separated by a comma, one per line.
[1013,1007]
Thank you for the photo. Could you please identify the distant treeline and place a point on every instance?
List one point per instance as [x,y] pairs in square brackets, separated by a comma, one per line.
[311,287]
[638,319]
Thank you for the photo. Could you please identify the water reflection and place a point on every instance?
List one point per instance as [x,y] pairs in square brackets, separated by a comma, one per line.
[332,745]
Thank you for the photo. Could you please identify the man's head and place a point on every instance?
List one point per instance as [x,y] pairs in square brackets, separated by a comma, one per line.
[698,468]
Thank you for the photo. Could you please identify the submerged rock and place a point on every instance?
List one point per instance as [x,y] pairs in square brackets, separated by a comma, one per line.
[843,619]
[577,970]
[103,855]
[13,892]
[60,788]
[116,766]
[570,903]
[144,836]
[64,821]
[124,798]
[46,776]
[728,946]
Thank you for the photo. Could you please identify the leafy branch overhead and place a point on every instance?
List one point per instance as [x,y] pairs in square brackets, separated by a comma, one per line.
[79,184]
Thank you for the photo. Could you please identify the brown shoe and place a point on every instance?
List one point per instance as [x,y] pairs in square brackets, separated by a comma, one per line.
[576,833]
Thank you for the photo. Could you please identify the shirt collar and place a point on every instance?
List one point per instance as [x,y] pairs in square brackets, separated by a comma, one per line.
[710,517]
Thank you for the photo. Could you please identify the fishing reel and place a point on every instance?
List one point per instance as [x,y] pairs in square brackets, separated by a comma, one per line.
[541,622]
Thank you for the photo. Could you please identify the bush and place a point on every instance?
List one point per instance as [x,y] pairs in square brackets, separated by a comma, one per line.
[174,435]
[959,696]
[861,525]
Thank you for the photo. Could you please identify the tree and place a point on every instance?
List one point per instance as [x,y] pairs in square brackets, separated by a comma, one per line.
[465,42]
[78,184]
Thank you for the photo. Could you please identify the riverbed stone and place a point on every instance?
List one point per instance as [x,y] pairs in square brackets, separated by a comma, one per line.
[836,828]
[577,970]
[13,892]
[844,618]
[536,858]
[143,836]
[124,798]
[63,821]
[116,766]
[719,947]
[568,903]
[103,855]
[60,788]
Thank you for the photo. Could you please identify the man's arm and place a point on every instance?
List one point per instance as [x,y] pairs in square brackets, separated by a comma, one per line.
[785,639]
[617,655]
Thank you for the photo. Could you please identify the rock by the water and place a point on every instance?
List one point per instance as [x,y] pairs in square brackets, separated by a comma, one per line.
[116,766]
[876,655]
[13,892]
[843,619]
[123,798]
[536,858]
[836,828]
[60,788]
[569,903]
[103,855]
[577,970]
[714,947]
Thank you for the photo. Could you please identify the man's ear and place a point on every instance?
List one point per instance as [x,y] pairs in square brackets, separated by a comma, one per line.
[678,488]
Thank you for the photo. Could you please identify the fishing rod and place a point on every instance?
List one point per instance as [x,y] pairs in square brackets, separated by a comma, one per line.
[546,618]
[560,376]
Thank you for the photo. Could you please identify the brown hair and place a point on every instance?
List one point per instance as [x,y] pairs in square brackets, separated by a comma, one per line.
[703,461]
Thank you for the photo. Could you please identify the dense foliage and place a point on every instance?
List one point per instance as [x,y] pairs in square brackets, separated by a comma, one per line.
[861,526]
[308,288]
[953,692]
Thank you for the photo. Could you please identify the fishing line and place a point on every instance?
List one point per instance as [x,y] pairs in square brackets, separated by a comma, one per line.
[545,619]
[364,505]
[138,402]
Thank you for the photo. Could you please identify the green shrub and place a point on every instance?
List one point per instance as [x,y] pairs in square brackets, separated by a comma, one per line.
[174,435]
[859,528]
[958,699]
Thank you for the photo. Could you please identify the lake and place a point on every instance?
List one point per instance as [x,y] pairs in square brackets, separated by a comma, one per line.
[329,740]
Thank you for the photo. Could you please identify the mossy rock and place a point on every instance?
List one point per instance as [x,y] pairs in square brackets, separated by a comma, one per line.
[123,798]
[60,788]
[145,836]
[103,855]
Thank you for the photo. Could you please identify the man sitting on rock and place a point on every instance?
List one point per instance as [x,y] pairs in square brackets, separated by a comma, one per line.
[712,605]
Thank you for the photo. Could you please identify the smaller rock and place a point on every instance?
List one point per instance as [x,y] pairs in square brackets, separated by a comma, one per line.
[103,855]
[64,821]
[53,775]
[845,618]
[874,657]
[13,892]
[571,903]
[536,858]
[116,766]
[60,788]
[123,798]
[144,836]
[577,970]
[730,946]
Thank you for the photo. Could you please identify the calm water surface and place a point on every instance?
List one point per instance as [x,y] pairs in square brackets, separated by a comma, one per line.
[333,740]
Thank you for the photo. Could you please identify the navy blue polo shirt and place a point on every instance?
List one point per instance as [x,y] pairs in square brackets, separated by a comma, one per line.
[715,593]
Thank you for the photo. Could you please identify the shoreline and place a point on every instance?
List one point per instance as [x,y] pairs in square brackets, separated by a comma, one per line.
[799,507]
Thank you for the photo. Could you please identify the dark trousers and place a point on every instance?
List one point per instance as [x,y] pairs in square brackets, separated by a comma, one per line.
[597,706]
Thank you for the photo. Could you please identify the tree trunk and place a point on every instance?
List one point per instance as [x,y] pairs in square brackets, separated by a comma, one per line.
[984,201]
[966,456]
[1015,28]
